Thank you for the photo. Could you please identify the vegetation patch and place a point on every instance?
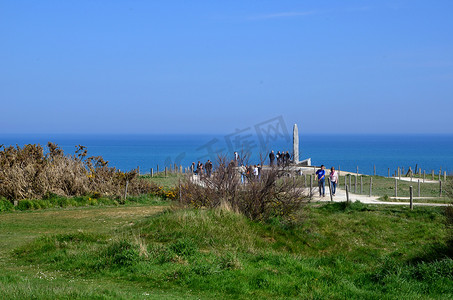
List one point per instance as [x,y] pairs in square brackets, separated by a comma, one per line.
[32,172]
[333,251]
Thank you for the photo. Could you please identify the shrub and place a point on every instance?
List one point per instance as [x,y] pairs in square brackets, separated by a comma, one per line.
[63,202]
[25,205]
[6,205]
[273,194]
[30,173]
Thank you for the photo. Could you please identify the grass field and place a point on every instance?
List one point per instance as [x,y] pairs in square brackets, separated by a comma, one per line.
[140,252]
[171,180]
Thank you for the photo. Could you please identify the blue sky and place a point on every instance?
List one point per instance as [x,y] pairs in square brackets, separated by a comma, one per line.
[213,66]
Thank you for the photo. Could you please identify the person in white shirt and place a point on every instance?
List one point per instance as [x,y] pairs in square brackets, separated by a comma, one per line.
[333,180]
[255,171]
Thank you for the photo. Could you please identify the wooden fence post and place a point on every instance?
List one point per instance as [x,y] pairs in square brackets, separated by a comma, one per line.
[357,170]
[179,183]
[157,169]
[165,171]
[432,173]
[355,184]
[374,170]
[330,189]
[371,185]
[440,188]
[388,171]
[440,172]
[411,196]
[399,173]
[305,181]
[350,181]
[445,175]
[419,188]
[311,186]
[396,187]
[125,190]
[361,185]
[151,172]
[347,194]
[138,170]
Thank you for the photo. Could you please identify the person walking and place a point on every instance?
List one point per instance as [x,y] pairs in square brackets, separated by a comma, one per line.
[333,180]
[321,173]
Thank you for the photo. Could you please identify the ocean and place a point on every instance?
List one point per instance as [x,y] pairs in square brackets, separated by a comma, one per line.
[126,152]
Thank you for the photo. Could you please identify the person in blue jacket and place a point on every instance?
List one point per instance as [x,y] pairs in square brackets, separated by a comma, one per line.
[321,173]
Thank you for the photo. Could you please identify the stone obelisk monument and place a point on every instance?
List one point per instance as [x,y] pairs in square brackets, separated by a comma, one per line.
[295,144]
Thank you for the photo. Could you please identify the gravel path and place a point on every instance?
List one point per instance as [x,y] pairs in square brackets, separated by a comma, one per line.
[341,197]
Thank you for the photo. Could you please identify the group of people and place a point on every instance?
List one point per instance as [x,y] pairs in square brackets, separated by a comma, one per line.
[250,172]
[200,169]
[254,171]
[281,157]
[321,176]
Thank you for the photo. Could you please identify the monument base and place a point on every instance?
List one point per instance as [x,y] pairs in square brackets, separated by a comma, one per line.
[304,163]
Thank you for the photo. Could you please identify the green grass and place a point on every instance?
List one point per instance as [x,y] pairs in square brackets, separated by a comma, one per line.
[55,201]
[169,181]
[333,251]
[440,200]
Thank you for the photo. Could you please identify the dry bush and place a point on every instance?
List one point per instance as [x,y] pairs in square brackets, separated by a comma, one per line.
[29,172]
[273,194]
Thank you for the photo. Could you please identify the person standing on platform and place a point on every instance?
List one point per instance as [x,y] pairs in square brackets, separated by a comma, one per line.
[208,167]
[271,158]
[236,158]
[287,158]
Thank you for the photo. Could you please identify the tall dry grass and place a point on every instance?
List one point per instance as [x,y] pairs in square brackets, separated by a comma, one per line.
[30,172]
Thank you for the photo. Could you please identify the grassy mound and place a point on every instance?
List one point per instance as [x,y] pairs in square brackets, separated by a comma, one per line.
[334,251]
